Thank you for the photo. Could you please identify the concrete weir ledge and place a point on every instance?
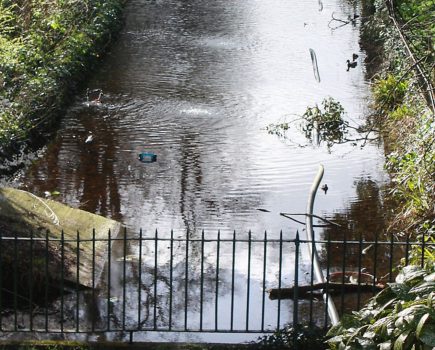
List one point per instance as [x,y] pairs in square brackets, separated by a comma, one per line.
[23,214]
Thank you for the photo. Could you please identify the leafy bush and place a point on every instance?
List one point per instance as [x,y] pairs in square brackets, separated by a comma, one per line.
[46,47]
[327,122]
[306,337]
[402,316]
[389,93]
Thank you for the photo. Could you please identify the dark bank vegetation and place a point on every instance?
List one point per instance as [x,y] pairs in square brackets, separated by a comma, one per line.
[398,39]
[403,100]
[46,48]
[402,316]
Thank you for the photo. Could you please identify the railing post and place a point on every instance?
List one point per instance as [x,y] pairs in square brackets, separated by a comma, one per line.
[233,265]
[278,321]
[62,278]
[31,286]
[109,276]
[296,292]
[93,279]
[156,248]
[77,283]
[186,282]
[216,307]
[423,247]
[1,281]
[201,292]
[16,282]
[248,282]
[124,277]
[139,283]
[46,280]
[264,281]
[171,277]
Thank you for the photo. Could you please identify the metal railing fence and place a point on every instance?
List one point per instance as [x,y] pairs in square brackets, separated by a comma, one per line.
[229,283]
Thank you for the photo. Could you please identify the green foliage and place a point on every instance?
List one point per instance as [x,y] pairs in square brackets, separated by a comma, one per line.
[403,111]
[278,129]
[327,122]
[389,93]
[420,29]
[424,254]
[307,337]
[413,169]
[402,316]
[46,46]
[319,124]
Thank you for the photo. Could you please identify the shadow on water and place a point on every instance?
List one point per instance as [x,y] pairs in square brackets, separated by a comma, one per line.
[361,225]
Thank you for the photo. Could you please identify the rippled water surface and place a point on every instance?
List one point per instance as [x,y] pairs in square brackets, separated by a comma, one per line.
[197,82]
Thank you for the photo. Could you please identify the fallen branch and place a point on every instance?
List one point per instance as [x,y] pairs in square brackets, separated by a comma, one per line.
[333,288]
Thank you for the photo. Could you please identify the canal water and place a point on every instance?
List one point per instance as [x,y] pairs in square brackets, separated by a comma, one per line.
[197,83]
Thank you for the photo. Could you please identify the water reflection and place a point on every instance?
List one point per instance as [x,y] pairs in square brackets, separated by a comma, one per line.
[362,224]
[197,82]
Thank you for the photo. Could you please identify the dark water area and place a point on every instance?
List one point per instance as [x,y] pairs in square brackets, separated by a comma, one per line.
[196,83]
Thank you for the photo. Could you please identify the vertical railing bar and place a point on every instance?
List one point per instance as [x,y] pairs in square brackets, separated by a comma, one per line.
[186,286]
[358,302]
[201,296]
[124,278]
[263,297]
[46,280]
[77,282]
[139,282]
[343,269]
[328,274]
[93,279]
[62,278]
[248,286]
[217,282]
[109,278]
[391,258]
[1,278]
[278,322]
[156,248]
[423,248]
[296,292]
[375,264]
[313,249]
[407,249]
[233,271]
[171,276]
[30,282]
[15,282]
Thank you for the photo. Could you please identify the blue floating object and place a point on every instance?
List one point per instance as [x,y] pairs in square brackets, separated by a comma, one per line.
[147,157]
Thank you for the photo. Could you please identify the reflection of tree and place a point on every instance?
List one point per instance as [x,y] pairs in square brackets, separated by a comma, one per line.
[191,179]
[364,219]
[96,170]
[164,289]
[362,222]
[71,165]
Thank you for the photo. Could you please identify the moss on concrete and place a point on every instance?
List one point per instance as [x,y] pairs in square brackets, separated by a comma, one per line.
[22,214]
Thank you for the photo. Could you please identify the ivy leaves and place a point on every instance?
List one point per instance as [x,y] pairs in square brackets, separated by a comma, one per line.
[400,317]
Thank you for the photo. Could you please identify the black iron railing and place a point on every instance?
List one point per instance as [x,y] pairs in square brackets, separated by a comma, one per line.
[228,283]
